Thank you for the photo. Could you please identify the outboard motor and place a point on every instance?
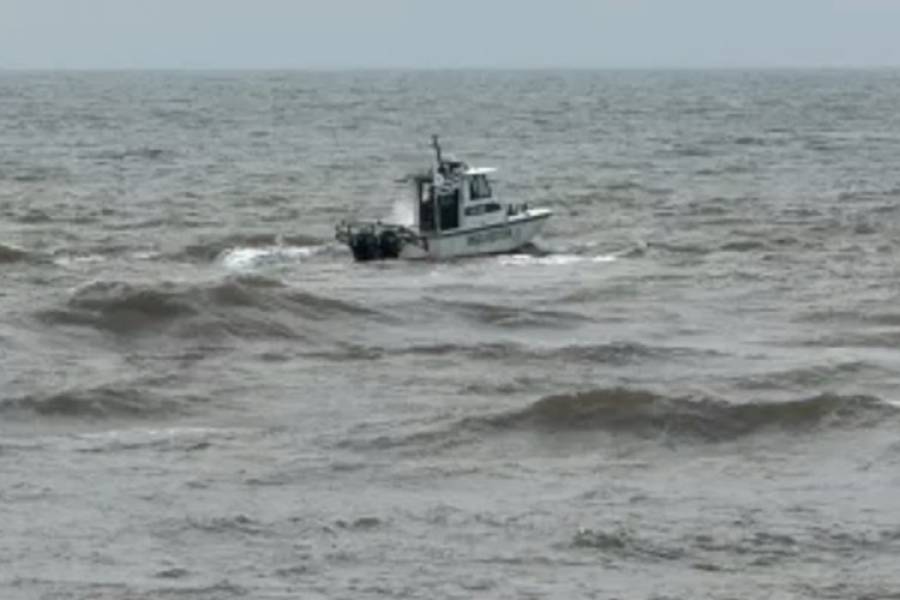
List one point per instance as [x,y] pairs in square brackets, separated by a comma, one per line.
[372,245]
[390,244]
[374,241]
[365,245]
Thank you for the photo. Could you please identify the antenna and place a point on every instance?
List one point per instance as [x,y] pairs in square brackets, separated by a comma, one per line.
[437,148]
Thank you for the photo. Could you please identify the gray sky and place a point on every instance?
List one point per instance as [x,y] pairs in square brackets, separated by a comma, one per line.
[440,34]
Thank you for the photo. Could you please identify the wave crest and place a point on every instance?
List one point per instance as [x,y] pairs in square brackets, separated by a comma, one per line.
[9,254]
[108,401]
[246,306]
[646,413]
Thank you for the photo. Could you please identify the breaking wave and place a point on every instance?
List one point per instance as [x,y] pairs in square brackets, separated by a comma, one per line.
[250,258]
[554,259]
[209,250]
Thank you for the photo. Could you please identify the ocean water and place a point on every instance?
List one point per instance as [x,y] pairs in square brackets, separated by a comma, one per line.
[689,387]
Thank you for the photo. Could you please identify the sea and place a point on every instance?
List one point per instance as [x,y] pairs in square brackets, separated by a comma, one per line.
[688,387]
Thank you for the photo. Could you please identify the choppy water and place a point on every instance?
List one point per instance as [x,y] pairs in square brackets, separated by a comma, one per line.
[690,388]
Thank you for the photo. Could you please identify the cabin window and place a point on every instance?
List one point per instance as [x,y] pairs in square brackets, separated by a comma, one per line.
[479,188]
[481,209]
[448,205]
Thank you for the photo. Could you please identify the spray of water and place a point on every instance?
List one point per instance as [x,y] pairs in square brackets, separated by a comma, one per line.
[402,213]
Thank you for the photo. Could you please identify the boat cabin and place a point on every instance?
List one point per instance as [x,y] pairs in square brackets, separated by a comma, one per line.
[454,197]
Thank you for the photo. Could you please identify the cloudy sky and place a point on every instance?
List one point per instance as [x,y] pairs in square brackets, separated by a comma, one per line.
[455,33]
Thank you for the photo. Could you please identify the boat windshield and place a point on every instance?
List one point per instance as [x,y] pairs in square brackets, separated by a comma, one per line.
[479,188]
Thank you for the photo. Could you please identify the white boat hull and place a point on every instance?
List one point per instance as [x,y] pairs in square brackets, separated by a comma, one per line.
[517,231]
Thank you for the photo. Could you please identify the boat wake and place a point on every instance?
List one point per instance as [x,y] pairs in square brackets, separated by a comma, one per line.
[590,252]
[517,260]
[244,258]
[209,250]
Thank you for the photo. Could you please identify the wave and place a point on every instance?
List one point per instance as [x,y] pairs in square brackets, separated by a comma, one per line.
[644,414]
[501,315]
[640,412]
[623,542]
[850,317]
[36,174]
[170,439]
[33,216]
[715,551]
[871,195]
[246,306]
[738,245]
[108,401]
[748,140]
[628,185]
[238,524]
[809,377]
[743,246]
[615,353]
[144,153]
[686,150]
[680,248]
[876,339]
[891,319]
[726,169]
[9,254]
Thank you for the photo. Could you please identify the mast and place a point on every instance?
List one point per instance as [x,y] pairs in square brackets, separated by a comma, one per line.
[437,150]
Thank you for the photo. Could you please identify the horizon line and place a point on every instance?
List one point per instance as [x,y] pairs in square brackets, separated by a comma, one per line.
[425,69]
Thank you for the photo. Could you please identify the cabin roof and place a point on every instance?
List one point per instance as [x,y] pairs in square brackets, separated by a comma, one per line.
[480,170]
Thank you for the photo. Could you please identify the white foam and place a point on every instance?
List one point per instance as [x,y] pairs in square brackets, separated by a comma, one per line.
[142,437]
[402,213]
[249,258]
[70,260]
[146,255]
[554,259]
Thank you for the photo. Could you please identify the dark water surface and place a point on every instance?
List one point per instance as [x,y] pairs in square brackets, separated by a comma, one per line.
[689,389]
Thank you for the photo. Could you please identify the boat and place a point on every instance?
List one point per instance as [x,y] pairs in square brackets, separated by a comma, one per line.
[456,213]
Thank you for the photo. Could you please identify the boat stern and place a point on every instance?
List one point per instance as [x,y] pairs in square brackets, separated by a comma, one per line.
[376,240]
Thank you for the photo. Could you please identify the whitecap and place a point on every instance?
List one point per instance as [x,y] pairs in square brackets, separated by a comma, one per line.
[249,258]
[554,259]
[71,260]
[146,255]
